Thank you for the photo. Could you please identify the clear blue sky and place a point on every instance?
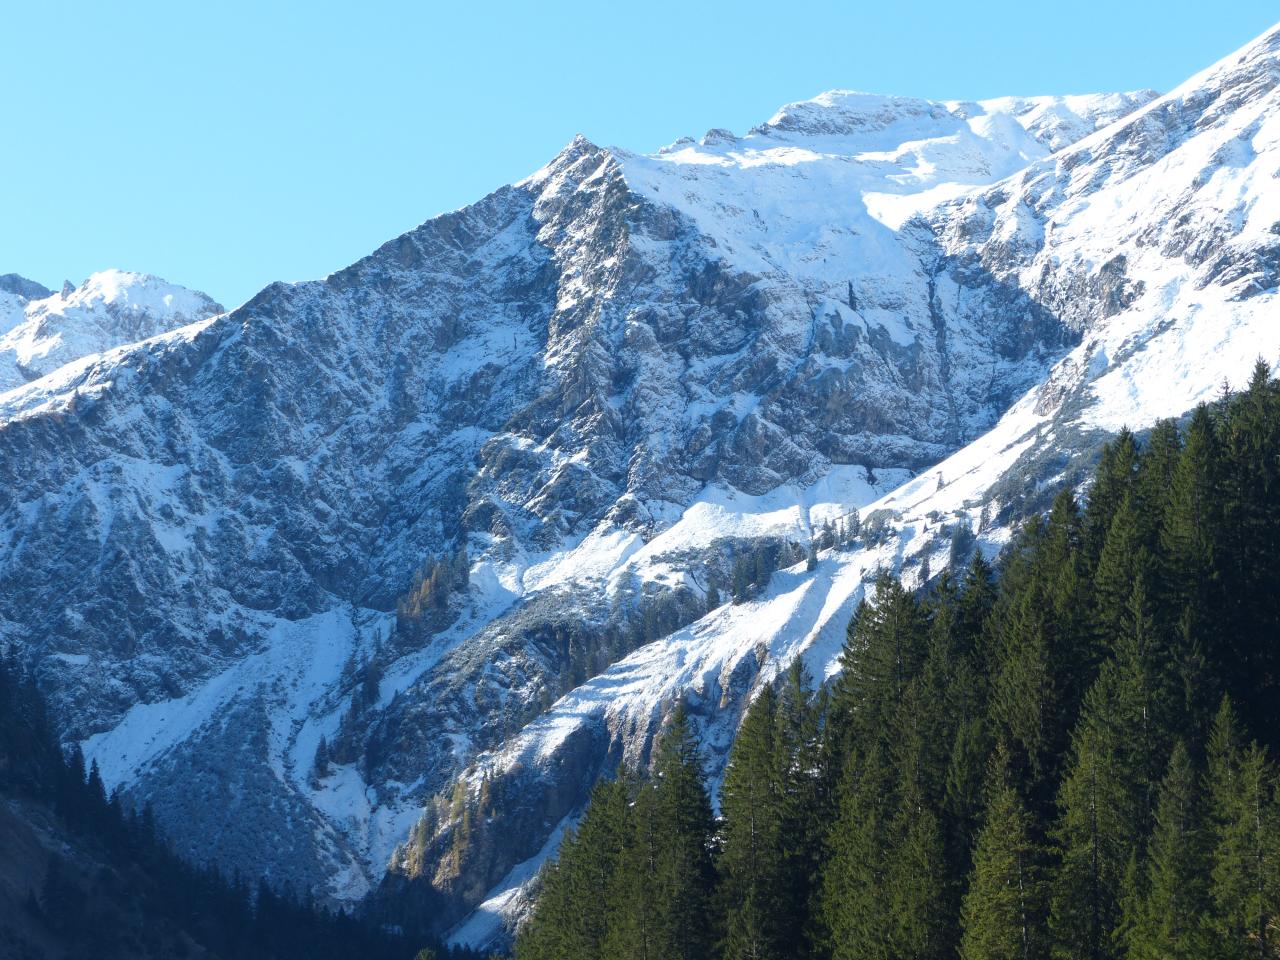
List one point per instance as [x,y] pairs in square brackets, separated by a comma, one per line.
[224,145]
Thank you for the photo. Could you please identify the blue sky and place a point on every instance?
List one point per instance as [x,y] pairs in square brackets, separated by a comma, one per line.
[225,145]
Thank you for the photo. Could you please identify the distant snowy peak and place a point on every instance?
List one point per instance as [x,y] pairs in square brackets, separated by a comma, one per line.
[110,309]
[1175,203]
[1054,122]
[819,193]
[136,294]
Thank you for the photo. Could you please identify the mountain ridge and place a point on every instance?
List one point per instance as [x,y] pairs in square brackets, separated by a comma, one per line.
[610,382]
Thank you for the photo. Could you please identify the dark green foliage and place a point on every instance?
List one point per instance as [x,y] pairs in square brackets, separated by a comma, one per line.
[1018,765]
[572,916]
[637,880]
[885,649]
[751,851]
[1245,831]
[1166,906]
[1003,915]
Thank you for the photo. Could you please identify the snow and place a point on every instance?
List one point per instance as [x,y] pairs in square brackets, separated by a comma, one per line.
[827,182]
[110,309]
[814,204]
[1166,350]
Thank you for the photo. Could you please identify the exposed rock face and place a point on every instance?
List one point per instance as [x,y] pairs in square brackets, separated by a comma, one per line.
[22,287]
[228,512]
[609,383]
[1152,241]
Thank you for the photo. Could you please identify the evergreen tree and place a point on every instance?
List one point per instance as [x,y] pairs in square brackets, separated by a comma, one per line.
[1003,912]
[1114,480]
[1156,469]
[572,917]
[637,926]
[805,806]
[916,890]
[853,910]
[683,871]
[751,882]
[1098,829]
[1248,567]
[1122,552]
[1245,881]
[1188,538]
[1166,906]
[884,649]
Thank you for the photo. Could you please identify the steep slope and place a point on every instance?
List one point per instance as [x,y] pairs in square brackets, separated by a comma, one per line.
[614,384]
[41,331]
[622,369]
[1155,239]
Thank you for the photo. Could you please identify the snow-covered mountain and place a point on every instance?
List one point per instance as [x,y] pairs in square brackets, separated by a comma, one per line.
[612,383]
[41,331]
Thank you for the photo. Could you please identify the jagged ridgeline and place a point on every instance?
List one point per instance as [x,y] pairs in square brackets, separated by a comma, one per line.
[1070,755]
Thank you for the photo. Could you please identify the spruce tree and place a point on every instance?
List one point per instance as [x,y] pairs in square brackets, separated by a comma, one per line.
[1249,565]
[683,872]
[885,648]
[1166,906]
[1156,469]
[1114,480]
[751,806]
[805,806]
[1245,883]
[1003,913]
[1098,828]
[1122,552]
[919,921]
[853,910]
[1188,544]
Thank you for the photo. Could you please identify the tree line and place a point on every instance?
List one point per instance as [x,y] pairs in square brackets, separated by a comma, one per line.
[1067,756]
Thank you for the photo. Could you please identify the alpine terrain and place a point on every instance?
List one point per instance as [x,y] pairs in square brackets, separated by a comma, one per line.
[363,585]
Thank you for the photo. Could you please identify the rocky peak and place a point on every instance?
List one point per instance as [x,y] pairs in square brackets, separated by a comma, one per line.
[22,287]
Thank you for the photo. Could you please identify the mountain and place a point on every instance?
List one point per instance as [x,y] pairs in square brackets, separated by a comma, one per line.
[1153,239]
[450,530]
[41,331]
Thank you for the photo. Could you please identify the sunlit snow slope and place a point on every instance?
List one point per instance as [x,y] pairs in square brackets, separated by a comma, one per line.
[1155,237]
[40,331]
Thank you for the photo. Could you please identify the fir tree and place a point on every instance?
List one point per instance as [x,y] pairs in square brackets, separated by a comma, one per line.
[853,910]
[1098,828]
[1245,881]
[1113,481]
[683,872]
[1003,912]
[751,848]
[1166,906]
[885,648]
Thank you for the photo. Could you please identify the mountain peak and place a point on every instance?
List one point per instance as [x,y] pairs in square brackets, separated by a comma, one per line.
[1054,121]
[109,309]
[129,290]
[22,287]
